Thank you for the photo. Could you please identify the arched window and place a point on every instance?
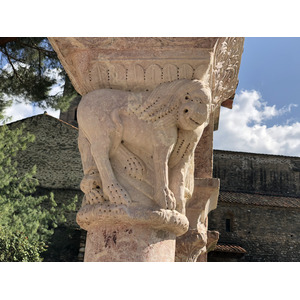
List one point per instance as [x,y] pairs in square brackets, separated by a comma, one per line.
[229,222]
[75,114]
[228,225]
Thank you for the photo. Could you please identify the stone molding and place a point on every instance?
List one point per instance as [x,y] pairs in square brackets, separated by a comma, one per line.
[91,216]
[140,64]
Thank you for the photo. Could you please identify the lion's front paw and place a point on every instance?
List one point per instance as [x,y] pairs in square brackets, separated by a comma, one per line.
[89,182]
[95,196]
[117,194]
[165,198]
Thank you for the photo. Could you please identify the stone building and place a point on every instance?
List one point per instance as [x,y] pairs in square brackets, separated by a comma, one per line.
[58,162]
[258,213]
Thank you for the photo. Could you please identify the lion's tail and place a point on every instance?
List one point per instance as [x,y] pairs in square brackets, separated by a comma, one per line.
[132,165]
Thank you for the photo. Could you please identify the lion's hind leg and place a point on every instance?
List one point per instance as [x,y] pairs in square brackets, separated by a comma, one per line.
[91,182]
[113,191]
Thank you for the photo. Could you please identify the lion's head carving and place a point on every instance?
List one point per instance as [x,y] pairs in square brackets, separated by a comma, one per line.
[188,101]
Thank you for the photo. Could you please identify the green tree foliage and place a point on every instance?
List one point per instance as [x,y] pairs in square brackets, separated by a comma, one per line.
[26,221]
[29,69]
[15,247]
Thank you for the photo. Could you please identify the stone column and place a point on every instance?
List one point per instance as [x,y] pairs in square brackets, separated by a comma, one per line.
[146,103]
[198,240]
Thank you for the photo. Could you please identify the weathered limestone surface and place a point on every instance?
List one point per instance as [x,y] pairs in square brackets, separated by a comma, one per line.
[146,104]
[136,64]
[140,164]
[129,243]
[197,240]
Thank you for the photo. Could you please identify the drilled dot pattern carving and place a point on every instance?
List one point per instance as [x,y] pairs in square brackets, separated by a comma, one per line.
[95,196]
[134,167]
[179,146]
[149,76]
[186,150]
[117,194]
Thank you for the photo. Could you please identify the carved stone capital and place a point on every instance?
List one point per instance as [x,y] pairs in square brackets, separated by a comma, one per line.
[189,246]
[139,167]
[212,240]
[146,103]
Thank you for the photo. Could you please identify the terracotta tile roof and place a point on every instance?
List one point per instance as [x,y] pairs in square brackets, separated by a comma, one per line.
[258,199]
[229,248]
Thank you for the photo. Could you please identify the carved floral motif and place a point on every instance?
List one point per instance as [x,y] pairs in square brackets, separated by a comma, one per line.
[226,64]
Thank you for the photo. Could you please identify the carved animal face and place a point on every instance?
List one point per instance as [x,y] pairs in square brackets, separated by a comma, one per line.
[194,110]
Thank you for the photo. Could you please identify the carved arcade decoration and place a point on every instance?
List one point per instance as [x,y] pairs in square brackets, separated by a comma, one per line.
[135,64]
[146,103]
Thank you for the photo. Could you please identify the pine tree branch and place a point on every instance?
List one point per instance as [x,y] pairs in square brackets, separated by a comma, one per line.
[40,64]
[40,59]
[48,53]
[12,65]
[12,57]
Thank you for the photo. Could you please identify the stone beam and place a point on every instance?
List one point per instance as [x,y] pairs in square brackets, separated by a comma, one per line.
[147,102]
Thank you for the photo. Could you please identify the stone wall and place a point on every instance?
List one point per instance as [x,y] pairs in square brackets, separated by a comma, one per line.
[266,233]
[263,205]
[56,155]
[257,173]
[55,152]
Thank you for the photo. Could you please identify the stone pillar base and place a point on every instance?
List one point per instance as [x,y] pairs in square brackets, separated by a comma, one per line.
[125,243]
[122,233]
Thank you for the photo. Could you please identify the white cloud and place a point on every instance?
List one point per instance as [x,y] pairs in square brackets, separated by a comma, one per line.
[243,128]
[58,88]
[18,111]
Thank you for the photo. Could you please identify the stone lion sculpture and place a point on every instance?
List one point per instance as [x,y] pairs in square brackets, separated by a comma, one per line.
[149,133]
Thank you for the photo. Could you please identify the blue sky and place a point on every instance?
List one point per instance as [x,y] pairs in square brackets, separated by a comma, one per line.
[266,113]
[272,67]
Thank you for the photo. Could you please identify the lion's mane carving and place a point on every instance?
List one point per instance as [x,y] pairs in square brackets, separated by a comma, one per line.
[145,140]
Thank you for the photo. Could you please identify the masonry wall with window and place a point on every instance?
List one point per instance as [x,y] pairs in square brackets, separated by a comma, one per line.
[259,205]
